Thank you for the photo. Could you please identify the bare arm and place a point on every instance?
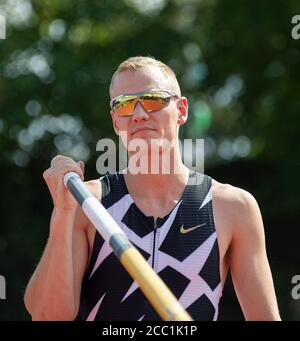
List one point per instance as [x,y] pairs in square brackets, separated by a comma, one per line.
[250,268]
[53,292]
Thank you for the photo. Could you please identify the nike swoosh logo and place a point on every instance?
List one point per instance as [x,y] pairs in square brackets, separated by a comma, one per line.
[187,230]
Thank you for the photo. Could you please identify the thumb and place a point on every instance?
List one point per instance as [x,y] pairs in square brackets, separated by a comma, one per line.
[81,164]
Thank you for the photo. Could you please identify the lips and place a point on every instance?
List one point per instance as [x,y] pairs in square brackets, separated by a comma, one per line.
[138,130]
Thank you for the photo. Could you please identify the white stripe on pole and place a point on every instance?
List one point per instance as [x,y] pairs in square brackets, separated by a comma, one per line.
[94,210]
[101,219]
[70,175]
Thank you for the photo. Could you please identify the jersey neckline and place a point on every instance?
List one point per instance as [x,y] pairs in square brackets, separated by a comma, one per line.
[150,219]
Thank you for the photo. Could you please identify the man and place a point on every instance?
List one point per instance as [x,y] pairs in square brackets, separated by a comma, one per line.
[189,227]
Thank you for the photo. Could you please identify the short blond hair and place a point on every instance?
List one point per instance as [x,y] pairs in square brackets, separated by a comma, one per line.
[140,62]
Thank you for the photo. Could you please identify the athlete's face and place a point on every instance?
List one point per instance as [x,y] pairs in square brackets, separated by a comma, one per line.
[160,124]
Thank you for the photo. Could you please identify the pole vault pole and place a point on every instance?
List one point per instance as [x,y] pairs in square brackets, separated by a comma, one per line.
[156,291]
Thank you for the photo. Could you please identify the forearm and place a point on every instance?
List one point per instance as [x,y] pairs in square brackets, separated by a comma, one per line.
[50,292]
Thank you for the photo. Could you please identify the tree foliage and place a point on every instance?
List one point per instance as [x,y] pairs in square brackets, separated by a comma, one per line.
[238,66]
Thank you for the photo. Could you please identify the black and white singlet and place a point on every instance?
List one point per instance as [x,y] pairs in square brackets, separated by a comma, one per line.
[182,248]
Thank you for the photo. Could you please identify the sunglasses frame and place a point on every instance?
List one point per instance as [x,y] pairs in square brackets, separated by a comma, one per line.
[138,94]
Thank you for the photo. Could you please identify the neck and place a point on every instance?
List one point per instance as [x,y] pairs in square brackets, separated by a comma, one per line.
[163,181]
[156,160]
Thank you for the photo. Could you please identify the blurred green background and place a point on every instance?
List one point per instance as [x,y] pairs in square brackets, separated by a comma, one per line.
[238,65]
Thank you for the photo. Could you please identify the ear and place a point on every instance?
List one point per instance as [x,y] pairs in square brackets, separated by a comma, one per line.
[113,117]
[182,106]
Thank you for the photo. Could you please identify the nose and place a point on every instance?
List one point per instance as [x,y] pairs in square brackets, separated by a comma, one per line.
[139,113]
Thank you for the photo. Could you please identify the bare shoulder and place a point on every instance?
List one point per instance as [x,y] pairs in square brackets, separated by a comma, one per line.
[231,195]
[95,187]
[236,205]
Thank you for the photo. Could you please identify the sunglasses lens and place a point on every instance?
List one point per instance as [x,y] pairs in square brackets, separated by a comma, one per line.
[151,101]
[155,102]
[125,106]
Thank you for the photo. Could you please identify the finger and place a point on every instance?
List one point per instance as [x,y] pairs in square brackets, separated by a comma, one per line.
[82,165]
[60,158]
[60,169]
[56,159]
[63,163]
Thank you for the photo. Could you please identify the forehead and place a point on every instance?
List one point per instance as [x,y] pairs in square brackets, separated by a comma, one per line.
[139,80]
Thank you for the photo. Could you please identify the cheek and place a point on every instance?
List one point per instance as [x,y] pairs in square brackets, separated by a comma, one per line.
[170,123]
[122,124]
[171,119]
